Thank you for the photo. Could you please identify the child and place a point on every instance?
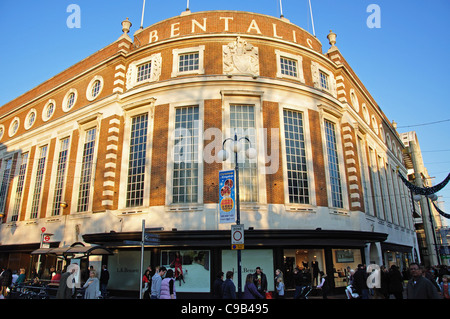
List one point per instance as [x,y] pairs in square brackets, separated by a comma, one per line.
[445,287]
[280,288]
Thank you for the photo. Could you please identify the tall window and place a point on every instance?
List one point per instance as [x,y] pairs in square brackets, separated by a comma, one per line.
[333,164]
[296,157]
[136,161]
[242,120]
[60,176]
[186,148]
[375,183]
[86,171]
[5,184]
[19,189]
[38,182]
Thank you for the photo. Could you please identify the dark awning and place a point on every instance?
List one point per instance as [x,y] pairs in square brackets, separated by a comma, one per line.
[73,250]
[255,238]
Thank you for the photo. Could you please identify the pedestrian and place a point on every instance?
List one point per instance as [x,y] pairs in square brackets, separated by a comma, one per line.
[217,286]
[250,291]
[228,288]
[146,279]
[156,283]
[445,287]
[260,280]
[383,291]
[168,290]
[104,278]
[418,286]
[22,277]
[278,275]
[395,282]
[6,281]
[324,285]
[280,288]
[65,289]
[92,286]
[360,282]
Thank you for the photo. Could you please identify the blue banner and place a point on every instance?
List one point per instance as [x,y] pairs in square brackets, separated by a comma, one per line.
[227,198]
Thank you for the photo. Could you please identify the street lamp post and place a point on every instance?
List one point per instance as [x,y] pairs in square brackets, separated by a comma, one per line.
[223,155]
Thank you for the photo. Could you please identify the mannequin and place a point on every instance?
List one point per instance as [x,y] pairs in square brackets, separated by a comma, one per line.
[315,268]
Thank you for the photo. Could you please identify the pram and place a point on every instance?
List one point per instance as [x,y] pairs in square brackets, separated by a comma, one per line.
[304,293]
[351,293]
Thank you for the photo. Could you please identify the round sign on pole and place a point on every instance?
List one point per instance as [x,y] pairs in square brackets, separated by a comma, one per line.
[43,229]
[47,238]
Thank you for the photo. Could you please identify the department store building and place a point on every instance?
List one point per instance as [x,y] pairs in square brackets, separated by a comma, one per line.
[132,133]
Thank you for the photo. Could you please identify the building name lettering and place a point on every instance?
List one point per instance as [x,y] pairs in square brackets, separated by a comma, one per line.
[200,25]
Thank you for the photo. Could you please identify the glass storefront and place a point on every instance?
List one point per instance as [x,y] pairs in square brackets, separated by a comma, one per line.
[191,267]
[250,259]
[308,260]
[343,261]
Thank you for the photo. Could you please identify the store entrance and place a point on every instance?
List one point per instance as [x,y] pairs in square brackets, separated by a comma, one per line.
[311,261]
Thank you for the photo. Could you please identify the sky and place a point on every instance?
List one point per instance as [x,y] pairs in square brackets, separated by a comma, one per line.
[403,61]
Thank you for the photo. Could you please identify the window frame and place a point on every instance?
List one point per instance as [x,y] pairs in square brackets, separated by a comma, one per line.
[170,155]
[246,98]
[299,64]
[90,87]
[176,53]
[325,116]
[130,111]
[308,154]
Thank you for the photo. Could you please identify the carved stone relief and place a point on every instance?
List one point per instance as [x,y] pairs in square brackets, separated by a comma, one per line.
[240,58]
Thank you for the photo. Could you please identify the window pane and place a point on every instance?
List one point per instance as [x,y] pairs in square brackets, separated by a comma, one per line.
[288,66]
[136,162]
[333,164]
[188,62]
[86,171]
[242,120]
[60,175]
[144,71]
[296,157]
[19,189]
[38,182]
[185,172]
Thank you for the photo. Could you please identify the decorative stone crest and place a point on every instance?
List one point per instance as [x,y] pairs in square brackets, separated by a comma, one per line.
[240,58]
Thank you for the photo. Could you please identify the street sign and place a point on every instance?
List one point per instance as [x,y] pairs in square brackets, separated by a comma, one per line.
[237,236]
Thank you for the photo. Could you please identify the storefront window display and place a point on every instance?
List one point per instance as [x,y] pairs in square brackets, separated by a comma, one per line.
[124,269]
[250,259]
[191,269]
[344,260]
[311,261]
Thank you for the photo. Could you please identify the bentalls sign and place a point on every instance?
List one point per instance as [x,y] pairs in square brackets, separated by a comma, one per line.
[216,23]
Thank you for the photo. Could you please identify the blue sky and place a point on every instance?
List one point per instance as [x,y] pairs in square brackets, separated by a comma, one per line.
[404,64]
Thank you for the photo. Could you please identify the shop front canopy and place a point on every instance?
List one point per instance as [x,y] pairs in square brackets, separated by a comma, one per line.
[75,249]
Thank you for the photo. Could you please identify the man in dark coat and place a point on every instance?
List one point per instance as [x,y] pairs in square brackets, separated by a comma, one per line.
[420,287]
[228,287]
[360,282]
[65,289]
[260,280]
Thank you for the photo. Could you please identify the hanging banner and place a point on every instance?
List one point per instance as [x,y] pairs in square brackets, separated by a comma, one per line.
[424,190]
[227,198]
